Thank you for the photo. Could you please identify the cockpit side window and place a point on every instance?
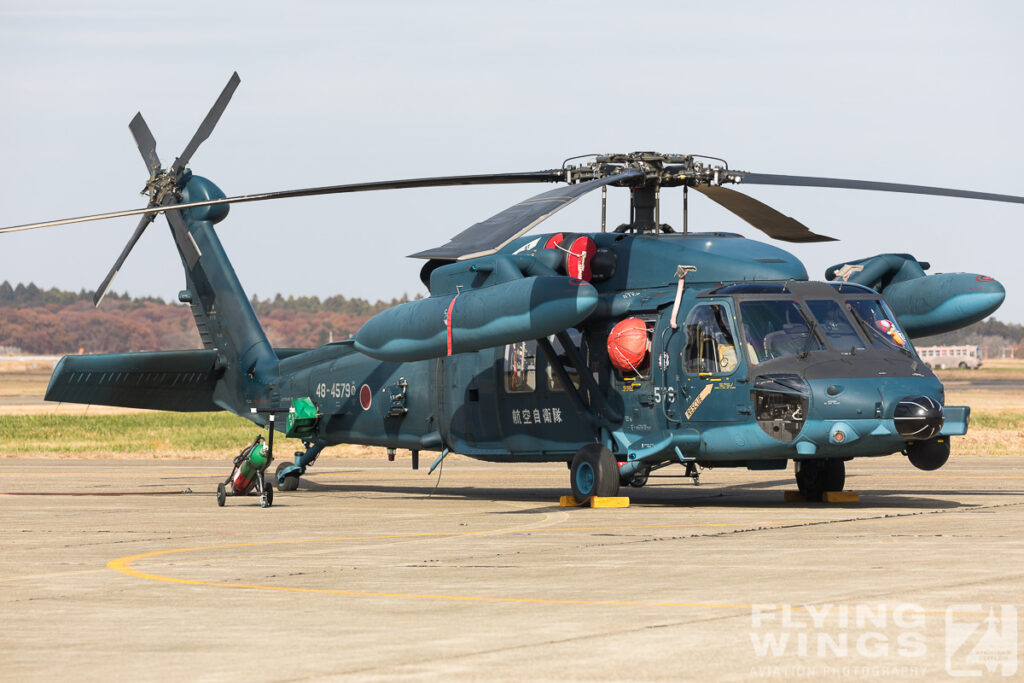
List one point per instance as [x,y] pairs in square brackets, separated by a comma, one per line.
[834,323]
[710,347]
[773,329]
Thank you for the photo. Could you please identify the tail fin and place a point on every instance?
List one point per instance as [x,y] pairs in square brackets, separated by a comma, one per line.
[226,320]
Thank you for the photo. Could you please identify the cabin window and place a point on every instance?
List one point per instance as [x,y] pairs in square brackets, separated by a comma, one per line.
[641,370]
[834,323]
[554,384]
[773,329]
[710,347]
[521,367]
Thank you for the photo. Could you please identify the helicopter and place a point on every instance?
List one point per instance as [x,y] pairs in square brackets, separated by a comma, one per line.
[618,352]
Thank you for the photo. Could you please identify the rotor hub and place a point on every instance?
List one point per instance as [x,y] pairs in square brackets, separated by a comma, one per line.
[160,186]
[668,170]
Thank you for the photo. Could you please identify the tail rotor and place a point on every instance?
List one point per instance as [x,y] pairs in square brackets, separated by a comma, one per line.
[164,185]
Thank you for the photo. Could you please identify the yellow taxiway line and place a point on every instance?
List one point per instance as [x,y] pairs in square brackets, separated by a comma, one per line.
[125,566]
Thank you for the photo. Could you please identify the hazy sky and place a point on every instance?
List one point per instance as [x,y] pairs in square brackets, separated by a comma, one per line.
[917,92]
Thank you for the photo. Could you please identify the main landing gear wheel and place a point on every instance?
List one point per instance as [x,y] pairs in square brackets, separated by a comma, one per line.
[594,472]
[290,482]
[222,495]
[817,475]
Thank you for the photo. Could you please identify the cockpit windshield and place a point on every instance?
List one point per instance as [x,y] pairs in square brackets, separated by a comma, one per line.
[835,325]
[879,323]
[779,320]
[776,328]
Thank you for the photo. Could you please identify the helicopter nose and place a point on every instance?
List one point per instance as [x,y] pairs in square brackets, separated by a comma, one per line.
[918,417]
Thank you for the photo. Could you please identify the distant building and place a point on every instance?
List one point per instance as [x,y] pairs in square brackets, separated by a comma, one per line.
[943,357]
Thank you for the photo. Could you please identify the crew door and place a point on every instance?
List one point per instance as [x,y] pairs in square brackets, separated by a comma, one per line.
[713,372]
[638,373]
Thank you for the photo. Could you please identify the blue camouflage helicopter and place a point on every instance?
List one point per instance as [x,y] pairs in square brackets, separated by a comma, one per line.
[617,352]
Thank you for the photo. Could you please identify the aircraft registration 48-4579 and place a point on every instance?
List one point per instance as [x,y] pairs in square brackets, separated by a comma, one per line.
[617,352]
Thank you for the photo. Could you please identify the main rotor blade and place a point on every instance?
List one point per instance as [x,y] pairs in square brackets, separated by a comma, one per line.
[206,127]
[146,143]
[761,216]
[551,176]
[492,234]
[842,183]
[109,279]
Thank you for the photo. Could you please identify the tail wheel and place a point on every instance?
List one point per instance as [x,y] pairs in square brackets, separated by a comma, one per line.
[818,475]
[290,482]
[594,472]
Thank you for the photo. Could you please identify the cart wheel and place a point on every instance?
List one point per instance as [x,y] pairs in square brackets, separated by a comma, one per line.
[269,493]
[222,495]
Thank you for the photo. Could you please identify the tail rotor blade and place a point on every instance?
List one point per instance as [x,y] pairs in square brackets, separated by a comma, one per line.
[146,143]
[109,279]
[207,126]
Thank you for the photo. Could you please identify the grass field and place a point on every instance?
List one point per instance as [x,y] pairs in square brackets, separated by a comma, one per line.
[1000,368]
[29,428]
[140,435]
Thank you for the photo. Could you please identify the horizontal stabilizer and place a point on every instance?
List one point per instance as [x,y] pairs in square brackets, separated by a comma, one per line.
[181,381]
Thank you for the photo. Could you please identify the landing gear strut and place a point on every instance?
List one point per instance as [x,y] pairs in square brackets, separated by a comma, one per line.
[288,473]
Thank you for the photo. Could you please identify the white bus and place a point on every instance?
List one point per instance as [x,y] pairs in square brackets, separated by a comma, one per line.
[943,357]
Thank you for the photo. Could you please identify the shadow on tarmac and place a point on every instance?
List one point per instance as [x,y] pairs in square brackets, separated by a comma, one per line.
[746,495]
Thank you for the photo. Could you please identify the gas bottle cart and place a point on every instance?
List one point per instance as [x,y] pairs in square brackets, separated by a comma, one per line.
[247,472]
[251,464]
